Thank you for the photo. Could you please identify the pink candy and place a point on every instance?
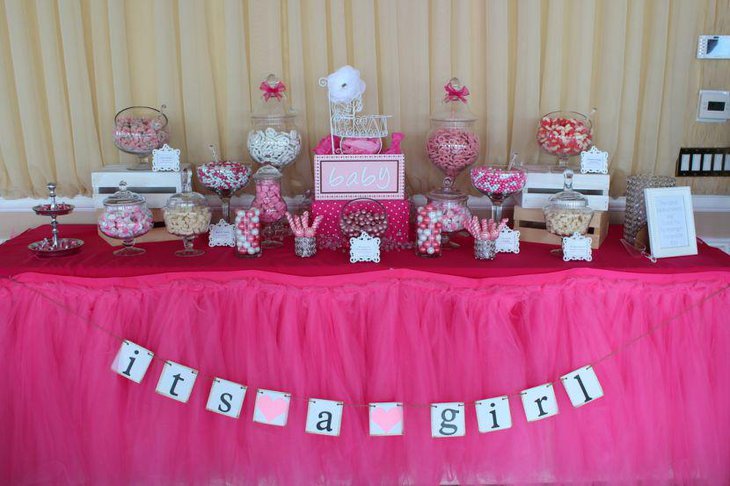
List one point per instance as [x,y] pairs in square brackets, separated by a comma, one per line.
[453,216]
[428,231]
[226,176]
[564,136]
[125,222]
[300,224]
[361,145]
[268,200]
[495,181]
[488,230]
[140,135]
[248,232]
[452,149]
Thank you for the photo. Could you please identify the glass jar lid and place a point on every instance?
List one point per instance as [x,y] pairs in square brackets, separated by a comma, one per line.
[568,198]
[267,172]
[273,103]
[123,197]
[447,195]
[453,106]
[187,196]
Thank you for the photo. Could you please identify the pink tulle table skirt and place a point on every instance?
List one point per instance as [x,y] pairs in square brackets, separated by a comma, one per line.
[397,335]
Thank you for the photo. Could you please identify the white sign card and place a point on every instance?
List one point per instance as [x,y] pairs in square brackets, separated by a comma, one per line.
[539,402]
[132,361]
[166,159]
[447,419]
[671,221]
[272,407]
[582,386]
[364,248]
[176,381]
[386,418]
[221,234]
[324,417]
[226,398]
[577,247]
[344,177]
[593,161]
[508,241]
[493,414]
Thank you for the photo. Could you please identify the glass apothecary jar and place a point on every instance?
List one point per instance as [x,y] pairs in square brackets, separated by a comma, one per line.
[452,144]
[125,217]
[274,138]
[567,212]
[270,204]
[454,212]
[187,215]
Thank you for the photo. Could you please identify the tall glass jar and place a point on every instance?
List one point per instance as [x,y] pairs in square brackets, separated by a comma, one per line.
[125,217]
[187,215]
[269,202]
[274,138]
[568,212]
[452,144]
[454,212]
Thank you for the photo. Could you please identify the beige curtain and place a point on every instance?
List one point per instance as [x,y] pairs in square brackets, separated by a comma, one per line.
[66,67]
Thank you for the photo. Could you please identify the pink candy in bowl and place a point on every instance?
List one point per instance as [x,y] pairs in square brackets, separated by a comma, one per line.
[498,183]
[565,134]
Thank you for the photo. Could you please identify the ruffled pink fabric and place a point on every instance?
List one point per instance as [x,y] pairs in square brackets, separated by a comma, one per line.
[396,335]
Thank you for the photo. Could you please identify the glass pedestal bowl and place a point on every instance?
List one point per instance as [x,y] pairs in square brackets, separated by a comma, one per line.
[225,178]
[565,134]
[498,183]
[138,130]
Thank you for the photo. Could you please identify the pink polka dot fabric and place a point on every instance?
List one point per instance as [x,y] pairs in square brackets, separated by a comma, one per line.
[397,211]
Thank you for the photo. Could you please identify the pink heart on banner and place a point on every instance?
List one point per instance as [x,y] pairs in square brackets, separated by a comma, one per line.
[271,409]
[387,419]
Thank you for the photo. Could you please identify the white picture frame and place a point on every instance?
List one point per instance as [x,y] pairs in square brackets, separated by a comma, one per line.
[364,248]
[671,221]
[166,159]
[593,161]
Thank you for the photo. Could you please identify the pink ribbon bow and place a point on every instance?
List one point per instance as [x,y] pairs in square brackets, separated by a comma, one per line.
[272,91]
[455,94]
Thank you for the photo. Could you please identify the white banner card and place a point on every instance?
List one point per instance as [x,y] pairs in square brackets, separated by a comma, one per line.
[582,386]
[539,402]
[508,241]
[386,418]
[226,398]
[324,417]
[272,407]
[447,419]
[176,381]
[132,361]
[493,414]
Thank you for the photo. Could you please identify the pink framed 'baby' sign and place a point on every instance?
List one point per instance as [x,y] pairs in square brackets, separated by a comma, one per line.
[379,176]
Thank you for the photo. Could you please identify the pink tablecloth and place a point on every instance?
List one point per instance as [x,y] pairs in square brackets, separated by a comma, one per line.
[392,335]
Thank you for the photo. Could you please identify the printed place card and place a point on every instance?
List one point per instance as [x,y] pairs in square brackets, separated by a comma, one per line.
[364,248]
[166,159]
[594,161]
[508,241]
[577,247]
[221,234]
[671,222]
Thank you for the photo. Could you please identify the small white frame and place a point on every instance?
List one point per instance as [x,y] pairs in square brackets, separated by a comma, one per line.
[593,161]
[671,221]
[364,248]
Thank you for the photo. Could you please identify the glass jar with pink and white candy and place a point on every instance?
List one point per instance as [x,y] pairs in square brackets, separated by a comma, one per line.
[452,144]
[269,202]
[125,217]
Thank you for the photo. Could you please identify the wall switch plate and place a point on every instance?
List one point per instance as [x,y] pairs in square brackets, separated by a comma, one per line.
[713,47]
[713,106]
[703,162]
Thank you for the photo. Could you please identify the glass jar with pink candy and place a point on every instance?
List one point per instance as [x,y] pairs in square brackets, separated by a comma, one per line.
[269,202]
[125,217]
[452,145]
[565,134]
[138,130]
[225,178]
[499,182]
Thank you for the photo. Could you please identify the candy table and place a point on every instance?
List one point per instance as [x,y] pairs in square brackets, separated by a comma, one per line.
[408,329]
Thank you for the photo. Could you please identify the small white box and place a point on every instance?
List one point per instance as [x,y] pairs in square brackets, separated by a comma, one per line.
[540,185]
[155,187]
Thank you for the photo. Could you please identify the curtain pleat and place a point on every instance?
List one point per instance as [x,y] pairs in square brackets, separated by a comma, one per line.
[67,67]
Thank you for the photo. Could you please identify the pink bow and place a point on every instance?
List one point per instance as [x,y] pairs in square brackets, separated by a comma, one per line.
[272,91]
[456,94]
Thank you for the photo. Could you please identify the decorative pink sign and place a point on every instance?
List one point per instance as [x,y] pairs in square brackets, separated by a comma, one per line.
[379,176]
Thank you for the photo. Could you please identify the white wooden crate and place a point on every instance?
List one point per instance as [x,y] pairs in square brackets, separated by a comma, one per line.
[155,187]
[540,185]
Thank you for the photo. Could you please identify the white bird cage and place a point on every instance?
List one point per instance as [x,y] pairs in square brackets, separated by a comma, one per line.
[345,123]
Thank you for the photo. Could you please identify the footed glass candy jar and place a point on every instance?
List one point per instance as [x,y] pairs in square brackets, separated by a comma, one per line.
[187,215]
[567,212]
[125,217]
[565,134]
[274,138]
[139,130]
[452,145]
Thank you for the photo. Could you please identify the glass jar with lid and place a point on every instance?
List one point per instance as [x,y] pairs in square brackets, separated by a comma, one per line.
[187,215]
[125,217]
[454,211]
[270,204]
[274,138]
[567,212]
[452,144]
